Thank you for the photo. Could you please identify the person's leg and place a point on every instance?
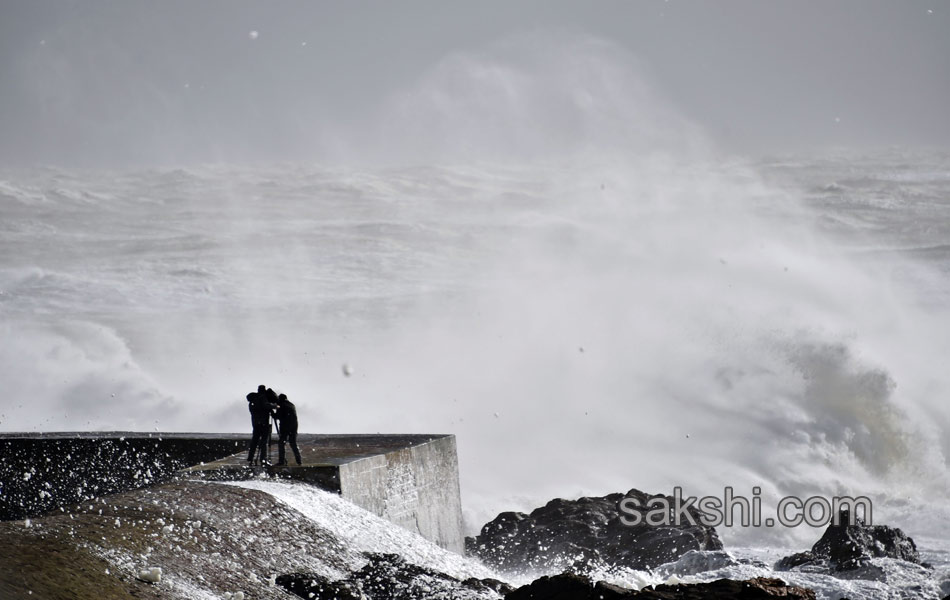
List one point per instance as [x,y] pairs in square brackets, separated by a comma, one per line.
[280,449]
[255,442]
[293,445]
[265,438]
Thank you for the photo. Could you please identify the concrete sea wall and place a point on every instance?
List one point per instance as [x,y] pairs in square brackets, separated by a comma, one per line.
[415,487]
[43,472]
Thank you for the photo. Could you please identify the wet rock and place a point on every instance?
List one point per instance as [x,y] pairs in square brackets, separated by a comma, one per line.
[845,547]
[695,562]
[389,576]
[568,586]
[760,588]
[575,534]
[499,587]
[316,587]
[787,563]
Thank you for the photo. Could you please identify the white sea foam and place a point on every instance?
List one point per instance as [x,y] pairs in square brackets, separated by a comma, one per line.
[733,302]
[364,531]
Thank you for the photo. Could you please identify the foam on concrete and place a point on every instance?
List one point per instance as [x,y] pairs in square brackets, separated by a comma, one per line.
[410,480]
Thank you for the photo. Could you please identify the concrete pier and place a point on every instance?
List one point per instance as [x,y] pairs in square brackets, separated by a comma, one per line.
[411,479]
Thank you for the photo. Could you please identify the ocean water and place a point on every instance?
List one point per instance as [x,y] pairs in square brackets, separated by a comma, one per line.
[582,327]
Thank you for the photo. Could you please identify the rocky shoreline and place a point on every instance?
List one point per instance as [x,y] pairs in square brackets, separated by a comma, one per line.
[582,539]
[210,540]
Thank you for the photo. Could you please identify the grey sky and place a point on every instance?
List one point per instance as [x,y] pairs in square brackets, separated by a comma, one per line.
[99,82]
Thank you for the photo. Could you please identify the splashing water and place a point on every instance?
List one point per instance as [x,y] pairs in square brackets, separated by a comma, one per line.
[559,269]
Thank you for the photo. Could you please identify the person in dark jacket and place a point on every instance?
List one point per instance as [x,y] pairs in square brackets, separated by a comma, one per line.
[260,409]
[286,415]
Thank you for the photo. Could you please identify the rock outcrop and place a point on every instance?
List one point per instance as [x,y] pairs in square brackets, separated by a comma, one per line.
[576,534]
[388,576]
[568,586]
[845,547]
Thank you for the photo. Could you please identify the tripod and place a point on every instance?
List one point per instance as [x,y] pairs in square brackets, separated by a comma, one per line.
[272,426]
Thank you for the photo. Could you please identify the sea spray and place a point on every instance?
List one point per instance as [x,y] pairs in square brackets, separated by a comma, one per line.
[462,281]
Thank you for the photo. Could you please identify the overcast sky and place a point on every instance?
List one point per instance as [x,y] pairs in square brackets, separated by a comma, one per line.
[96,82]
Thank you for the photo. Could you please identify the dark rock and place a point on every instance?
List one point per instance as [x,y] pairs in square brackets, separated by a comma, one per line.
[568,586]
[695,562]
[845,547]
[499,587]
[798,559]
[575,534]
[316,587]
[387,577]
[390,576]
[760,588]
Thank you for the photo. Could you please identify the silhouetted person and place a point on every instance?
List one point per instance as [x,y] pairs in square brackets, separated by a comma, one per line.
[260,409]
[286,415]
